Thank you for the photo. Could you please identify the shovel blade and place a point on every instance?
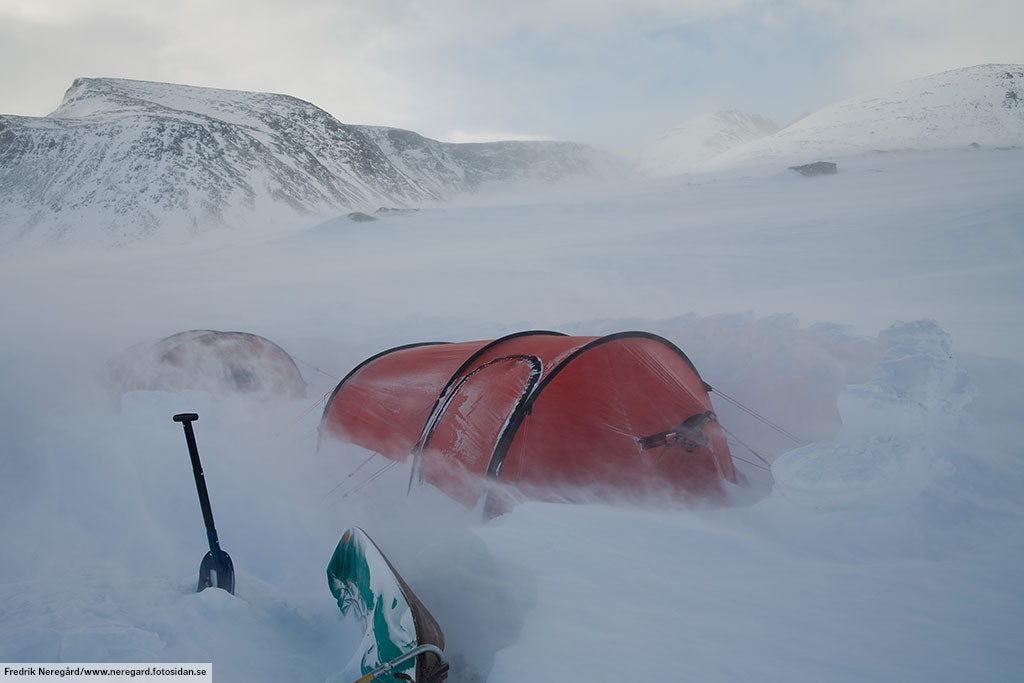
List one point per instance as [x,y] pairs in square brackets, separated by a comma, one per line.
[216,571]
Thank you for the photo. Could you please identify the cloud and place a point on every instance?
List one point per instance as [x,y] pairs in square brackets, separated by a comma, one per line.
[912,38]
[486,136]
[601,72]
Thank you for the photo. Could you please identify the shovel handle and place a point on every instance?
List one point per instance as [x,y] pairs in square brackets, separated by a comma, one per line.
[186,420]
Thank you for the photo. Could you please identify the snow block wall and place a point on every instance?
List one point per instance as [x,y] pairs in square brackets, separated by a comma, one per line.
[895,427]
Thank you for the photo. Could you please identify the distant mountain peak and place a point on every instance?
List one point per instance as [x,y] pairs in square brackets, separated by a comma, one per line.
[698,139]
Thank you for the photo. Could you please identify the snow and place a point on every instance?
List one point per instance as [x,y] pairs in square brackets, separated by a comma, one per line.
[875,316]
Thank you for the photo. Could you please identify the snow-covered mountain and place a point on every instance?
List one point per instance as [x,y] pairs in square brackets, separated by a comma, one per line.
[687,145]
[122,159]
[981,105]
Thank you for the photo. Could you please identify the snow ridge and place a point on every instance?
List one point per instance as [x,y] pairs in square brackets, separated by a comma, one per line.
[978,105]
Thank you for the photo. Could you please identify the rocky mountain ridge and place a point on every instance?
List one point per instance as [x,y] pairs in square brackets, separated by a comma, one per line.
[122,160]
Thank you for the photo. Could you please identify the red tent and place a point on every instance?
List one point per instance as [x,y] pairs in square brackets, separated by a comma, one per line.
[541,411]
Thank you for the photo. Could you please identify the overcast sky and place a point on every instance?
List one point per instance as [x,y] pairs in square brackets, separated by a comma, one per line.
[607,72]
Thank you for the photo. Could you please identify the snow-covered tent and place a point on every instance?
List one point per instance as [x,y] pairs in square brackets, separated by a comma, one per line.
[221,363]
[544,412]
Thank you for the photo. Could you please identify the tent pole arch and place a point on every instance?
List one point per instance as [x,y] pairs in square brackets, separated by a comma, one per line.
[516,421]
[421,444]
[535,365]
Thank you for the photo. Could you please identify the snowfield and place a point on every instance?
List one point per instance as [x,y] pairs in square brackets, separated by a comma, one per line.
[875,317]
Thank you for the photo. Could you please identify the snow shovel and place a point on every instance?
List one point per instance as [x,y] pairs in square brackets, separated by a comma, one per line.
[216,568]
